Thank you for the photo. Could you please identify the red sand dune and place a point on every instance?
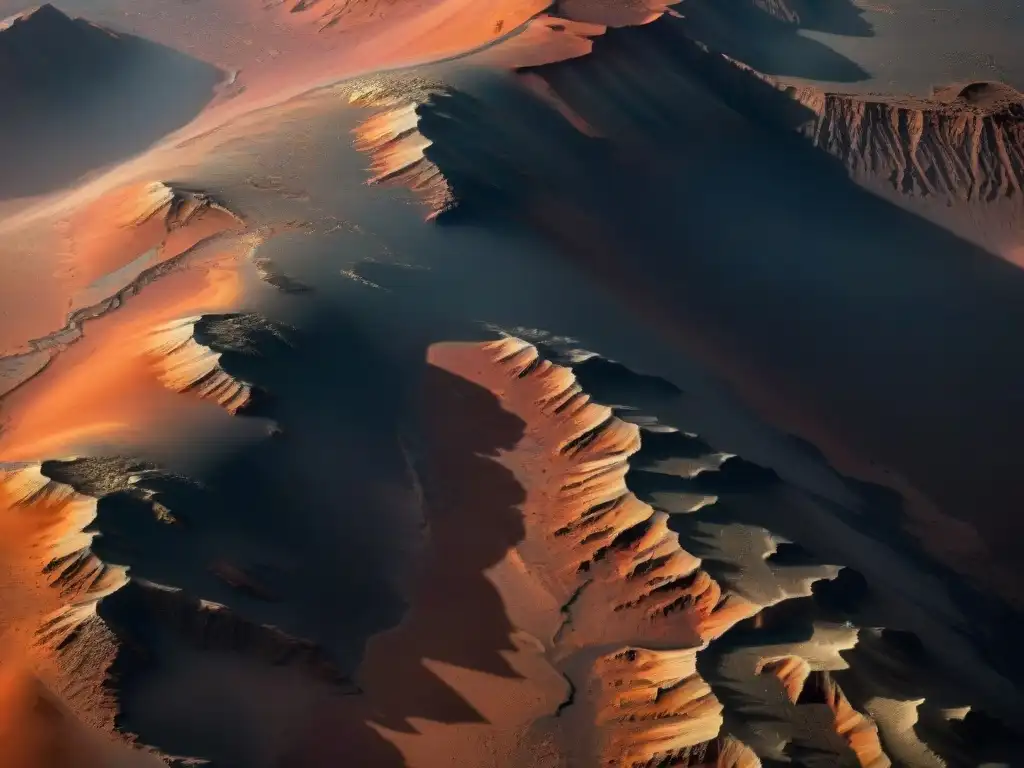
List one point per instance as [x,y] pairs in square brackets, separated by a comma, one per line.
[38,731]
[126,223]
[52,580]
[106,385]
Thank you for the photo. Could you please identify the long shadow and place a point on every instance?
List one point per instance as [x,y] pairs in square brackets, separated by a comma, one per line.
[316,533]
[77,97]
[835,17]
[897,335]
[456,614]
[771,41]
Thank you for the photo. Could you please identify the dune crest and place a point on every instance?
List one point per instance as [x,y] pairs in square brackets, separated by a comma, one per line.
[130,222]
[791,671]
[609,548]
[53,585]
[56,517]
[654,704]
[623,13]
[859,732]
[397,150]
[611,560]
[111,249]
[185,364]
[626,583]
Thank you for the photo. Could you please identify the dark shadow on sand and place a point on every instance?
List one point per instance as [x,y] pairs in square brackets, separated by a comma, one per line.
[456,614]
[317,519]
[702,215]
[773,44]
[76,98]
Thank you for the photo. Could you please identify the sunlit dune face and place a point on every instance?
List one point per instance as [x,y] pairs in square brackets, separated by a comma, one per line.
[652,703]
[545,40]
[433,29]
[133,221]
[597,548]
[791,671]
[27,532]
[38,731]
[586,524]
[50,271]
[621,13]
[105,386]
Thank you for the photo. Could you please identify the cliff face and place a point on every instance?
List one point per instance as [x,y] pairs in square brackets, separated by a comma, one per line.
[966,143]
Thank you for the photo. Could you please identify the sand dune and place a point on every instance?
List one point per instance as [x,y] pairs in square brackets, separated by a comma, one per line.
[125,224]
[100,386]
[185,364]
[110,249]
[510,550]
[37,731]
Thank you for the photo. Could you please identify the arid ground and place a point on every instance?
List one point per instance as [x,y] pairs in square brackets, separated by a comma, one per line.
[511,383]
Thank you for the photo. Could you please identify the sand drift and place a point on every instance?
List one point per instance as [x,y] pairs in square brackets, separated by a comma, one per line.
[583,395]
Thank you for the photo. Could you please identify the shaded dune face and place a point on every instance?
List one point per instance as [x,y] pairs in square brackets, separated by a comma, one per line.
[568,186]
[621,576]
[77,97]
[510,552]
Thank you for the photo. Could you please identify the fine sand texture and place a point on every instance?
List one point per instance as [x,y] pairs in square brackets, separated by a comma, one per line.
[515,384]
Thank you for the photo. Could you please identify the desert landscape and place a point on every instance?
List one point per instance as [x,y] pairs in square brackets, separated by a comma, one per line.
[513,384]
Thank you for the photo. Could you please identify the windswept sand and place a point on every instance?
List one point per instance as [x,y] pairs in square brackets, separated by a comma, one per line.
[38,731]
[381,547]
[106,386]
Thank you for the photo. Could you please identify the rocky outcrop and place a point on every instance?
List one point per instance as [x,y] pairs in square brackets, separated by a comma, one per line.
[965,143]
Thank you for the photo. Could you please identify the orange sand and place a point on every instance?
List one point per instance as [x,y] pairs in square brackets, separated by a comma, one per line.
[104,386]
[121,225]
[37,731]
[558,457]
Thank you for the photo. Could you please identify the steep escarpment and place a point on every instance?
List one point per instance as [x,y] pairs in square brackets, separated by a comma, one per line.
[51,586]
[397,150]
[965,143]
